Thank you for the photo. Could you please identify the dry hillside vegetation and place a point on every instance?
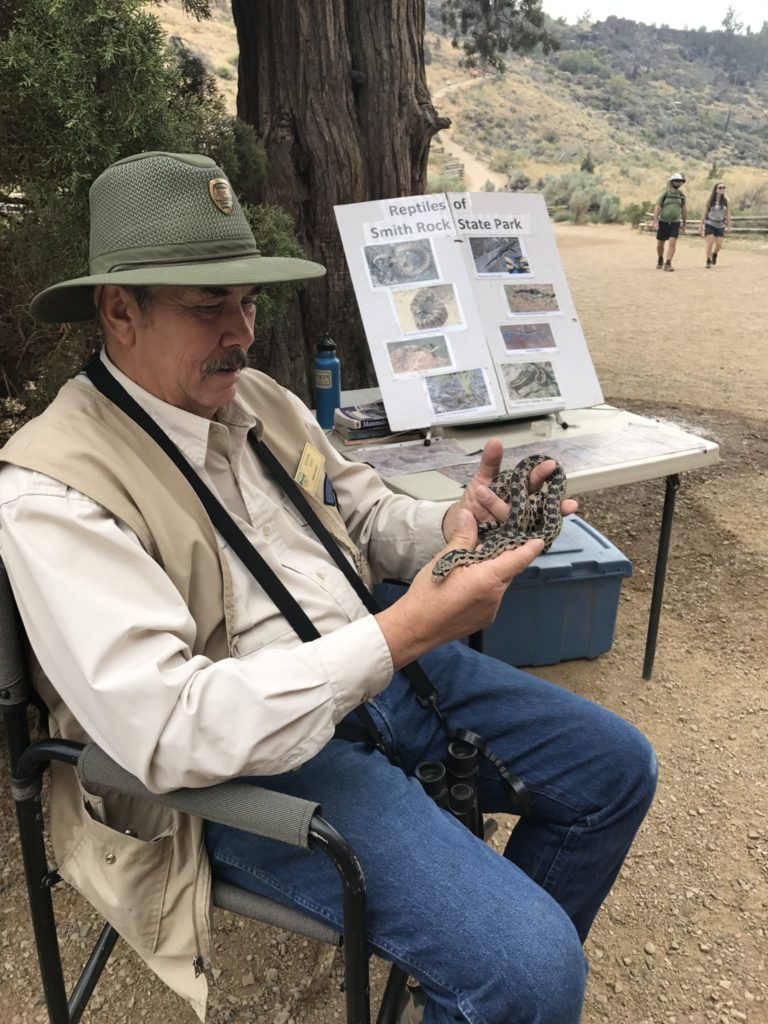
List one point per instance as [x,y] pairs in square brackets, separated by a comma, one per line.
[535,118]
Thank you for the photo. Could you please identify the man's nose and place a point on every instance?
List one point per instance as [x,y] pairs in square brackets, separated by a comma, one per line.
[238,329]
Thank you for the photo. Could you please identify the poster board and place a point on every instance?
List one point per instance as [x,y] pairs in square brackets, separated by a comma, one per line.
[466,308]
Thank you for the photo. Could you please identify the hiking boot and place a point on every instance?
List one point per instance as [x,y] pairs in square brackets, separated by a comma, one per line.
[714,259]
[659,262]
[709,264]
[668,266]
[412,1010]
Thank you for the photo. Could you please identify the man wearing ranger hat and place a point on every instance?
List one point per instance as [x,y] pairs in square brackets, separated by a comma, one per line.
[669,219]
[158,642]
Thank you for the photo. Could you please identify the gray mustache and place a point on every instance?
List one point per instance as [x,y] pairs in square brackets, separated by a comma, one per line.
[234,360]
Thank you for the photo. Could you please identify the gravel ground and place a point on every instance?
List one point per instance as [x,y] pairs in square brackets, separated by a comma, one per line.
[682,938]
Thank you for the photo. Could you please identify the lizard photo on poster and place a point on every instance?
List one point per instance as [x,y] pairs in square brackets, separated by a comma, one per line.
[523,299]
[523,337]
[499,257]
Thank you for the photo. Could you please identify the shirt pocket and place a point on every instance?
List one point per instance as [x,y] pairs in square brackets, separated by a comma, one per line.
[294,515]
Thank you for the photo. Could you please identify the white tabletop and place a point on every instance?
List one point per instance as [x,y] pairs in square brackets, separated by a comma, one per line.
[601,447]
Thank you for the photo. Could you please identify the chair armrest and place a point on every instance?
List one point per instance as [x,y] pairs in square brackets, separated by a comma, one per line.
[237,804]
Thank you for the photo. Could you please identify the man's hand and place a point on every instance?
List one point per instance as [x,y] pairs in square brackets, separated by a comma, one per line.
[479,499]
[467,600]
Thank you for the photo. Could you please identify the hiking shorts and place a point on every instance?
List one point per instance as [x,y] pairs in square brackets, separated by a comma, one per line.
[709,229]
[667,229]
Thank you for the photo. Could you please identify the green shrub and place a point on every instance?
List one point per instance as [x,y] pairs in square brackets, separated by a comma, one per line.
[580,204]
[582,62]
[634,213]
[500,161]
[518,182]
[224,71]
[444,183]
[609,211]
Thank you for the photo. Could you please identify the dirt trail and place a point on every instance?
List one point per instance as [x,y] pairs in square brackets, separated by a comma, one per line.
[682,938]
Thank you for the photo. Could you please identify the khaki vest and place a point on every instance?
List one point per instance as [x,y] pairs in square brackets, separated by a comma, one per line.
[154,888]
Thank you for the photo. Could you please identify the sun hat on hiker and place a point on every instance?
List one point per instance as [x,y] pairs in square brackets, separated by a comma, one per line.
[166,219]
[676,177]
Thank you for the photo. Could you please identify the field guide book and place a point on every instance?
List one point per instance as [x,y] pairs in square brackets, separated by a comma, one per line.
[466,308]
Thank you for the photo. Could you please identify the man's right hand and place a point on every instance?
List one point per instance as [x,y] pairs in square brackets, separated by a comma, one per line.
[467,600]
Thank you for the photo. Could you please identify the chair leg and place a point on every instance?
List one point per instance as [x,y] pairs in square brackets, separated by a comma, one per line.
[356,978]
[29,814]
[86,983]
[393,995]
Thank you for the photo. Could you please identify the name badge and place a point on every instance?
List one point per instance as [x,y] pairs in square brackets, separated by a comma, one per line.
[310,470]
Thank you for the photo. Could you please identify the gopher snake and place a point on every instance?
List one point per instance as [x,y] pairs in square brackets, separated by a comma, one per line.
[530,515]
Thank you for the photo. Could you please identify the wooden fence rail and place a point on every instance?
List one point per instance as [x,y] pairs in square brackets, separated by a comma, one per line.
[739,225]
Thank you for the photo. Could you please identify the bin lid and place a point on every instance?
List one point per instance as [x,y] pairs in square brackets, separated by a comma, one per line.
[579,551]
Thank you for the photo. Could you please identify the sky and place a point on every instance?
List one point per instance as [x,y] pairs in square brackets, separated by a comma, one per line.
[692,13]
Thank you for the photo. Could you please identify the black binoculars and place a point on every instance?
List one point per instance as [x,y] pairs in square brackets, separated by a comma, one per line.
[453,784]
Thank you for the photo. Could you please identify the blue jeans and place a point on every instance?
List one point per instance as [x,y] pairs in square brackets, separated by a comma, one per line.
[493,939]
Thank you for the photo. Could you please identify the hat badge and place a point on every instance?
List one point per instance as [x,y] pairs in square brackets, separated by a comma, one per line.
[221,194]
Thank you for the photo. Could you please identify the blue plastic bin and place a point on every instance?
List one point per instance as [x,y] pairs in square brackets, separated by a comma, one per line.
[564,605]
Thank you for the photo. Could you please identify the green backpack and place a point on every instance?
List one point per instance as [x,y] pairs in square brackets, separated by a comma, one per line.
[672,205]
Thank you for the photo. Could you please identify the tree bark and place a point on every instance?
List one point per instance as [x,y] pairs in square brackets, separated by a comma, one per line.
[337,91]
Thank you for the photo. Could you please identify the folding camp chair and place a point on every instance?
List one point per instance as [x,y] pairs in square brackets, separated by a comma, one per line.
[238,804]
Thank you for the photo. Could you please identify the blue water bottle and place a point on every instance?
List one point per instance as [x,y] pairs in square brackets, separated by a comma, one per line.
[327,382]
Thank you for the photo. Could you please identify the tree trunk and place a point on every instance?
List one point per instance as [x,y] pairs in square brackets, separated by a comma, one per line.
[337,91]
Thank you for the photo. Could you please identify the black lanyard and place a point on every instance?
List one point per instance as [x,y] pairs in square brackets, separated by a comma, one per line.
[267,579]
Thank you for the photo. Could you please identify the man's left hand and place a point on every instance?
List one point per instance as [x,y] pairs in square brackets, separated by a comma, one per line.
[486,506]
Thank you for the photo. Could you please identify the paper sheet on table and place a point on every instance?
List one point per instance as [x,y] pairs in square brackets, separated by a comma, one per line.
[574,452]
[411,458]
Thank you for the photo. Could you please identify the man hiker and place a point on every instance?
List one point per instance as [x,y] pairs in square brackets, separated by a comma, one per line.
[669,219]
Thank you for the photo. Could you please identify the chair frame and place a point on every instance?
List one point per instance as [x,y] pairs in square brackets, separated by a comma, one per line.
[232,803]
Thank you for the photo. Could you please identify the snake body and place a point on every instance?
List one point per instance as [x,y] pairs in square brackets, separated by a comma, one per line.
[530,516]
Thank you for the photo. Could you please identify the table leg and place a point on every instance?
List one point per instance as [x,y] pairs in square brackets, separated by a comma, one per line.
[673,484]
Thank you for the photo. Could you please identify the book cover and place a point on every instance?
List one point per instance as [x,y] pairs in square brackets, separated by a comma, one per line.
[361,417]
[361,432]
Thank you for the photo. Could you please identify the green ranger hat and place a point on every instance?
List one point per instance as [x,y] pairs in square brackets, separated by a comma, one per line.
[166,219]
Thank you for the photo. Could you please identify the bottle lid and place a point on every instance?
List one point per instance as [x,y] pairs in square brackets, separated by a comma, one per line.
[326,344]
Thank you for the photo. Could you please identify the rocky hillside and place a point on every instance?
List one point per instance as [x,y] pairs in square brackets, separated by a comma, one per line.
[631,102]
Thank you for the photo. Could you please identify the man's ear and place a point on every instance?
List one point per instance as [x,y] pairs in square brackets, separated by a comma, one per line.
[118,312]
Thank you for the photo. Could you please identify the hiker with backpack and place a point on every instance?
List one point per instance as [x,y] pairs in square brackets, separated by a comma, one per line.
[669,218]
[715,223]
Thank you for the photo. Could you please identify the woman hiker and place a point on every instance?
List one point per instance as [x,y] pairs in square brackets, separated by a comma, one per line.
[715,222]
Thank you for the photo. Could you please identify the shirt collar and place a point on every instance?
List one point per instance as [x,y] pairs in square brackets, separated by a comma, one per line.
[190,433]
